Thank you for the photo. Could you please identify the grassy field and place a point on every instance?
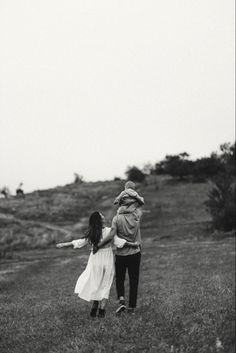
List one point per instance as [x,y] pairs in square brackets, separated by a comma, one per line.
[186,295]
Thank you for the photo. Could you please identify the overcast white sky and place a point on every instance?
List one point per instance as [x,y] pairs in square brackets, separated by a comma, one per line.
[94,86]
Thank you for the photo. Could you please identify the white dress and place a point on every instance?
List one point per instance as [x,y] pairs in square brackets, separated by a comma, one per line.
[95,281]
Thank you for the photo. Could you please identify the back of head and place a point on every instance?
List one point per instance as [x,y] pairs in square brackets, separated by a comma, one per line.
[94,232]
[130,185]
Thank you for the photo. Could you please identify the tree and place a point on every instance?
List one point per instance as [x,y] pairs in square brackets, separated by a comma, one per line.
[175,165]
[206,167]
[135,174]
[180,166]
[160,168]
[148,168]
[227,157]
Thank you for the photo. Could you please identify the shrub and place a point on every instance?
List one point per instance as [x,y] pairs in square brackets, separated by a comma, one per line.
[221,202]
[117,179]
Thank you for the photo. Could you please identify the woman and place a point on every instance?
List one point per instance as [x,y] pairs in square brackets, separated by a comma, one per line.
[95,282]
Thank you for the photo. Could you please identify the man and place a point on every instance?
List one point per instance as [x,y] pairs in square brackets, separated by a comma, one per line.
[126,225]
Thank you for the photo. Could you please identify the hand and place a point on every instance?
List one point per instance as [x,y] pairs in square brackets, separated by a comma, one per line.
[59,245]
[133,245]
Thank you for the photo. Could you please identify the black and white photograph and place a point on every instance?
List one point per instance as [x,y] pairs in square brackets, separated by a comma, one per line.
[117,176]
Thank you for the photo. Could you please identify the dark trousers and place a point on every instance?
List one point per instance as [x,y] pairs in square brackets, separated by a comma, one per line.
[132,263]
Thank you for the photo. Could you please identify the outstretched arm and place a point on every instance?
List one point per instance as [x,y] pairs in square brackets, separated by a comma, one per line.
[78,243]
[64,245]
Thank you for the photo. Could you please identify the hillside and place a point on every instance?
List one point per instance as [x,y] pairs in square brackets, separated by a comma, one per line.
[172,210]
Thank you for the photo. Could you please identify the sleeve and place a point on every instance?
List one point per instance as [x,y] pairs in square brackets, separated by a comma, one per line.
[79,243]
[140,199]
[107,232]
[118,198]
[131,192]
[118,242]
[114,224]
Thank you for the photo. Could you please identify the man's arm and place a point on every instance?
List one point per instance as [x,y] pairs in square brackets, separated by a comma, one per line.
[120,243]
[108,238]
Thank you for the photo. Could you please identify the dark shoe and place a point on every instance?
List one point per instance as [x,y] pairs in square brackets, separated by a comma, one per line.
[121,307]
[131,310]
[101,312]
[94,309]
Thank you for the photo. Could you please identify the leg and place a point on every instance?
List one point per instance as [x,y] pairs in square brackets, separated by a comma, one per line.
[133,270]
[102,310]
[95,304]
[120,266]
[94,309]
[103,303]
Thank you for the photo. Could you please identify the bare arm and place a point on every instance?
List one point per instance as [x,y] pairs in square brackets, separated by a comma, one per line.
[76,244]
[132,245]
[64,245]
[110,237]
[140,199]
[118,198]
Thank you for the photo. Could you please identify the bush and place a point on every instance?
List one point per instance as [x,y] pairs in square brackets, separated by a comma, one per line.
[117,179]
[135,174]
[78,179]
[221,202]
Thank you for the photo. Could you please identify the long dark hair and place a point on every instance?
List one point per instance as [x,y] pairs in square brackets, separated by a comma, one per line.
[94,232]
